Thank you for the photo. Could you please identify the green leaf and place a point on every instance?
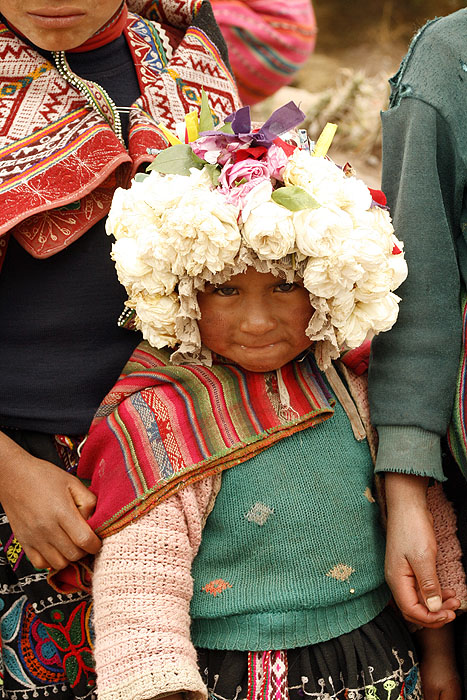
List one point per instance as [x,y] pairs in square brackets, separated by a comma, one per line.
[206,121]
[76,629]
[176,160]
[88,659]
[71,669]
[226,128]
[214,172]
[59,638]
[140,177]
[294,198]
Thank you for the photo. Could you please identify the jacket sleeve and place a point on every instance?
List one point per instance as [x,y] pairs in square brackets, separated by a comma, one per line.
[142,588]
[267,42]
[413,367]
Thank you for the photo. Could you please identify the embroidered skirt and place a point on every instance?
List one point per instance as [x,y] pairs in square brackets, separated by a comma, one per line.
[373,662]
[46,637]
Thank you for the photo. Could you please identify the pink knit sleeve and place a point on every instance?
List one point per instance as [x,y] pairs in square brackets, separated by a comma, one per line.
[142,588]
[267,41]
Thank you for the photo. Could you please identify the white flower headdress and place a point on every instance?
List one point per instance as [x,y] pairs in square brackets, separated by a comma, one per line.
[220,199]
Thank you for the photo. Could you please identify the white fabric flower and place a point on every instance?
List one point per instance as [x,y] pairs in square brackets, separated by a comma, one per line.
[138,273]
[155,317]
[258,195]
[200,234]
[341,308]
[269,231]
[130,266]
[354,195]
[379,219]
[377,316]
[320,177]
[374,285]
[399,268]
[322,279]
[129,213]
[369,247]
[163,192]
[320,231]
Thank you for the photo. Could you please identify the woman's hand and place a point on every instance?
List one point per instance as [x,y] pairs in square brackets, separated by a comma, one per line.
[47,508]
[411,554]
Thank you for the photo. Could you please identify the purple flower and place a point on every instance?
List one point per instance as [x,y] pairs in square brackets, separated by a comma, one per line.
[219,147]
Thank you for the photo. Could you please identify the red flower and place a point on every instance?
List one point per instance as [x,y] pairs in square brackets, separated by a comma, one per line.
[378,196]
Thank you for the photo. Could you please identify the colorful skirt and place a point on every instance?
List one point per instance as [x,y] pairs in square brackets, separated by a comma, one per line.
[374,662]
[46,637]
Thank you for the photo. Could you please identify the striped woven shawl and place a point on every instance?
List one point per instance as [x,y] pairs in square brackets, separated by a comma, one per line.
[164,426]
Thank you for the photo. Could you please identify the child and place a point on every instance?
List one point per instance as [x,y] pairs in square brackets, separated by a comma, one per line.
[238,463]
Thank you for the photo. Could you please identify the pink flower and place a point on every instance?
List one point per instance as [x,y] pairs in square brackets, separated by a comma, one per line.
[238,195]
[276,160]
[242,172]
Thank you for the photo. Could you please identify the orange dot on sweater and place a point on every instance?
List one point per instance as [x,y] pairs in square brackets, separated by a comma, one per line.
[216,587]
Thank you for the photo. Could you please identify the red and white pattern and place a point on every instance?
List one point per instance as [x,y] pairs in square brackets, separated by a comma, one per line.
[267,675]
[60,161]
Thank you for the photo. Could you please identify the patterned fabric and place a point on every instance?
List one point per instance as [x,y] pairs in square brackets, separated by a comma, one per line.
[60,159]
[267,675]
[268,42]
[46,638]
[374,662]
[230,414]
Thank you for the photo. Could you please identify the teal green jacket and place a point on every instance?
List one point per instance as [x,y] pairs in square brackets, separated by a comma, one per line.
[414,366]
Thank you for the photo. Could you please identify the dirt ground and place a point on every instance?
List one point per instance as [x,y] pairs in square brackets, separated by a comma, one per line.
[359,46]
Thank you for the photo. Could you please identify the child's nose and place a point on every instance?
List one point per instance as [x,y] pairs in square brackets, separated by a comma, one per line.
[258,320]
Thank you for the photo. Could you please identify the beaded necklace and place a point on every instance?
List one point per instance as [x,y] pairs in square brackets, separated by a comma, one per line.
[96,96]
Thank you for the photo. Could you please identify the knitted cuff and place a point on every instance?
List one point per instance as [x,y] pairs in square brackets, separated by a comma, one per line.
[409,450]
[180,679]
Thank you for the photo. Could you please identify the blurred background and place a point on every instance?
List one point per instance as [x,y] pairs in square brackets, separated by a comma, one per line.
[359,46]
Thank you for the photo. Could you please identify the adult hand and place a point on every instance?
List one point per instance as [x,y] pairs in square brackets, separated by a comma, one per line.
[411,554]
[47,508]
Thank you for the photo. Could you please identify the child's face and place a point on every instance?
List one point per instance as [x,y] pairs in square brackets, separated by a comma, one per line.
[255,319]
[58,25]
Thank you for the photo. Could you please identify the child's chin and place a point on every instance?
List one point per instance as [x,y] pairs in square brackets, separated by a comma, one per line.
[261,366]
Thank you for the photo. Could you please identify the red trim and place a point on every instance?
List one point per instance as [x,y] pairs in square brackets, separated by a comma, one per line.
[109,32]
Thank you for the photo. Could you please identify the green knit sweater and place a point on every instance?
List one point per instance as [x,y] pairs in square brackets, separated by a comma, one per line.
[413,368]
[292,553]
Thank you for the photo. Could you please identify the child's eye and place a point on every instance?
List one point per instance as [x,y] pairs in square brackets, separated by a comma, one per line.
[286,287]
[225,291]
